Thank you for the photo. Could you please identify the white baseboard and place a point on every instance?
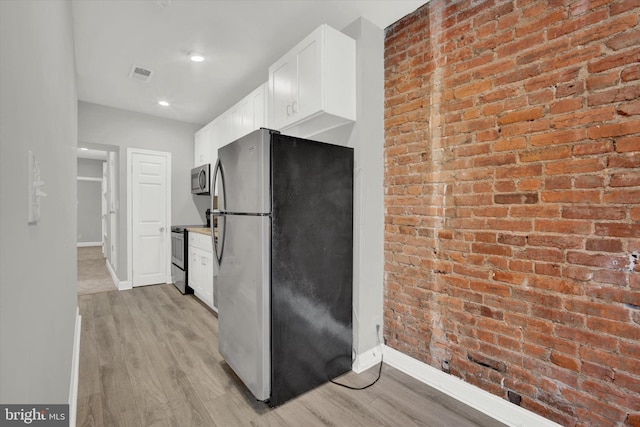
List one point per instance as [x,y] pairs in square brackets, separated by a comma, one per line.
[497,408]
[75,370]
[121,285]
[367,360]
[87,244]
[124,285]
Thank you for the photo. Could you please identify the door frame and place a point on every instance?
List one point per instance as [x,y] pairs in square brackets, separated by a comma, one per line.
[167,156]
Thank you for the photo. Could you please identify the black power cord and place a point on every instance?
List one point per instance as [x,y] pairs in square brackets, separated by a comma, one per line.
[379,368]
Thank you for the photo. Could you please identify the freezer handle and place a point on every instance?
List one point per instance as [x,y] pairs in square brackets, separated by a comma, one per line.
[220,219]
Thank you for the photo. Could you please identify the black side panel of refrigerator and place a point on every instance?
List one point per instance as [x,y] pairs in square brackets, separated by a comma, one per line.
[311,265]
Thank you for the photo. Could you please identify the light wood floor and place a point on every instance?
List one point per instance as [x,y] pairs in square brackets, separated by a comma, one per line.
[148,356]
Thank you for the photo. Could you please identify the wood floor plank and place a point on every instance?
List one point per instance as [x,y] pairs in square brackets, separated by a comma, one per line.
[89,412]
[108,341]
[118,396]
[88,364]
[149,357]
[151,400]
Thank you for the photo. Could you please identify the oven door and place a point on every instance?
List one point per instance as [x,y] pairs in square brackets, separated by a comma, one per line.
[179,278]
[177,249]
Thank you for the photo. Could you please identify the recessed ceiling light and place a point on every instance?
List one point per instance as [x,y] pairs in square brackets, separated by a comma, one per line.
[84,149]
[196,57]
[163,103]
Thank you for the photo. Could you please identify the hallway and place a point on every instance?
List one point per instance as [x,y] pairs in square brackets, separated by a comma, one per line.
[93,276]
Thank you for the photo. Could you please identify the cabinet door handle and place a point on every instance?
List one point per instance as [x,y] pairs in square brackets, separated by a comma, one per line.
[289,109]
[293,107]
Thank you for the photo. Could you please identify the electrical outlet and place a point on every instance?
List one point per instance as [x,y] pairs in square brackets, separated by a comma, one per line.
[446,368]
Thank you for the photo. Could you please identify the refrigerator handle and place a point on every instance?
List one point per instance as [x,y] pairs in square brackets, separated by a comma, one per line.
[216,214]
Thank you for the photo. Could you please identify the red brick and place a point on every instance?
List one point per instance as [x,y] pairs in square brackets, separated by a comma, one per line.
[593,212]
[595,260]
[622,41]
[557,183]
[519,171]
[626,161]
[510,144]
[563,226]
[578,118]
[554,241]
[485,248]
[575,166]
[548,153]
[564,361]
[604,245]
[589,181]
[472,89]
[618,329]
[565,105]
[571,25]
[618,230]
[629,108]
[573,196]
[601,81]
[622,196]
[611,96]
[613,61]
[598,309]
[520,116]
[630,73]
[602,31]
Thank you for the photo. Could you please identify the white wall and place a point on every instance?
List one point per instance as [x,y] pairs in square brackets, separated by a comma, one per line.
[98,124]
[38,296]
[366,136]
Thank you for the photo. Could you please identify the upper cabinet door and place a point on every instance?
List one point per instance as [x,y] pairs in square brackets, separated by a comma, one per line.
[259,97]
[313,87]
[203,149]
[307,87]
[282,76]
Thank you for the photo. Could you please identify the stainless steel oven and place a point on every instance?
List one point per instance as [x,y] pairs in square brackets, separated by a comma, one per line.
[180,259]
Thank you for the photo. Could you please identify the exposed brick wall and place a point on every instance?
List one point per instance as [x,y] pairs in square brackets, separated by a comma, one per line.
[512,197]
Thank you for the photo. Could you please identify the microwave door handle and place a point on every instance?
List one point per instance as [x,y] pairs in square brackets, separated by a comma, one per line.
[202,179]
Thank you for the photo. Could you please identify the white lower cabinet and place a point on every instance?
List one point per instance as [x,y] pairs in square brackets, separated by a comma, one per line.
[201,268]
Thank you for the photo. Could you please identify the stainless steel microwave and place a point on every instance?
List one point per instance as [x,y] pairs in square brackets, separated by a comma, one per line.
[200,179]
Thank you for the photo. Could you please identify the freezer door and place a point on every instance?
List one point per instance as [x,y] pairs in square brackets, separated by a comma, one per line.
[243,186]
[244,301]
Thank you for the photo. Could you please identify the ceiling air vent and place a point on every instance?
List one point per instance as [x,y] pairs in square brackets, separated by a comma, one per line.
[139,73]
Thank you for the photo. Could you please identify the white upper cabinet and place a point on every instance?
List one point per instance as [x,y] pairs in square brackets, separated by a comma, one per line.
[204,149]
[313,87]
[247,115]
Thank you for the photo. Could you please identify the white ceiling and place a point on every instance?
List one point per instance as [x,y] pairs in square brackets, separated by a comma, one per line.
[239,39]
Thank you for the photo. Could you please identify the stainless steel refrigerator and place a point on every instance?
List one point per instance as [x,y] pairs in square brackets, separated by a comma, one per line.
[285,255]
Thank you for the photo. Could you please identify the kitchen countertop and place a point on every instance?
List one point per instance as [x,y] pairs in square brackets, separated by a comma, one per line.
[201,230]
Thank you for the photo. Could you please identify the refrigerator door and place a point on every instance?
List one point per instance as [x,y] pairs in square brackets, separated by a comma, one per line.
[244,301]
[244,171]
[311,265]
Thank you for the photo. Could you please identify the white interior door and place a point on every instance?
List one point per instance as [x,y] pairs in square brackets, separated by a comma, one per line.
[150,238]
[105,239]
[112,232]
